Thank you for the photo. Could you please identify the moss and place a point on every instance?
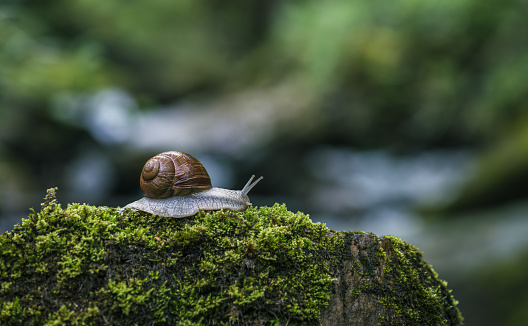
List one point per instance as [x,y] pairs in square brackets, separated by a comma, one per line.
[413,276]
[394,274]
[98,265]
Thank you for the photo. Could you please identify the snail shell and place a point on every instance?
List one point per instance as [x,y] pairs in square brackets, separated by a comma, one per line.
[172,173]
[176,184]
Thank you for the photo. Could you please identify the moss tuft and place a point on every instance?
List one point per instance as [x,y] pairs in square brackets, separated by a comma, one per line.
[414,283]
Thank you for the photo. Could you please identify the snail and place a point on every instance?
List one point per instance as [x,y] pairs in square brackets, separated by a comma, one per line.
[176,184]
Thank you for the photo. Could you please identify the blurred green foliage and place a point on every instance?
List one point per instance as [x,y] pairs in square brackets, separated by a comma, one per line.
[425,68]
[428,72]
[502,292]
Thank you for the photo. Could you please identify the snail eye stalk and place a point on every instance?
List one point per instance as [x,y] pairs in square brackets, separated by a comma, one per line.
[250,185]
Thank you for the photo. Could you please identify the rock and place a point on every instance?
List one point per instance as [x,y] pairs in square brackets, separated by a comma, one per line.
[385,281]
[98,265]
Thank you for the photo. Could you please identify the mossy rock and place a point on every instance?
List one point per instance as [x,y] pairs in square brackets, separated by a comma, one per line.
[102,266]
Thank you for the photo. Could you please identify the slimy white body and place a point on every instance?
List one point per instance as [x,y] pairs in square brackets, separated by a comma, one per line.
[190,204]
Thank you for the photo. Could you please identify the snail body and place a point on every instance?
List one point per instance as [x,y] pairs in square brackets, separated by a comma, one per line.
[176,184]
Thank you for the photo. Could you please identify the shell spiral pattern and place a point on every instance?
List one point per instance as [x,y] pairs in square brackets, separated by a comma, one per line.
[173,173]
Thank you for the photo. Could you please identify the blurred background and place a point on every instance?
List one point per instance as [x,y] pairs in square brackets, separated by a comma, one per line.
[407,118]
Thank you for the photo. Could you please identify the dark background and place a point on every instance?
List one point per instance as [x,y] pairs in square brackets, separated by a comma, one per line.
[407,118]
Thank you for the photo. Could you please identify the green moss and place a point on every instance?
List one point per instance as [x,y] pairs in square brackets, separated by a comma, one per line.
[395,274]
[87,265]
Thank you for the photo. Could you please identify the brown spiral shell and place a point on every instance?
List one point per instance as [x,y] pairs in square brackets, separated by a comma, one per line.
[173,173]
